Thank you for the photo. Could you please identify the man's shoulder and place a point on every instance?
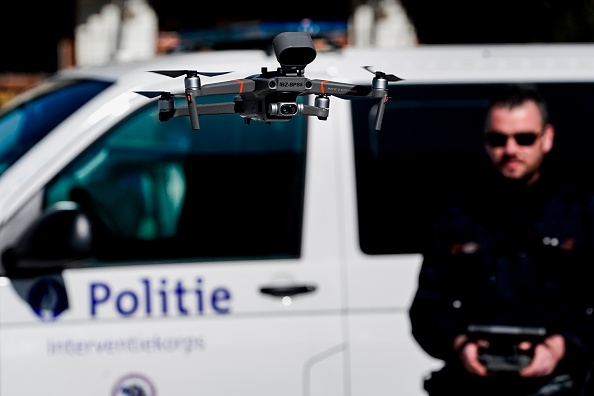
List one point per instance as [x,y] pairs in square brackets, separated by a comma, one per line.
[573,193]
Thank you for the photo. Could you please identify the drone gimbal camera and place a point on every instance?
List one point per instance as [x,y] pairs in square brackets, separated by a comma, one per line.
[270,96]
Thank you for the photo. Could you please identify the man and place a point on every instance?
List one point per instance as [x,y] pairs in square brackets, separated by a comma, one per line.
[514,251]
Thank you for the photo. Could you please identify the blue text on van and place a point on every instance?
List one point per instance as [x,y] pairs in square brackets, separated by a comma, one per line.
[152,299]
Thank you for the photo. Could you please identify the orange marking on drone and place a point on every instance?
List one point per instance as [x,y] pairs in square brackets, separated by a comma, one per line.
[240,85]
[322,86]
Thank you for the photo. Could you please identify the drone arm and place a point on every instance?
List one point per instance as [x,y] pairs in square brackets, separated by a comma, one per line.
[380,113]
[307,110]
[216,108]
[327,87]
[228,87]
[191,98]
[207,109]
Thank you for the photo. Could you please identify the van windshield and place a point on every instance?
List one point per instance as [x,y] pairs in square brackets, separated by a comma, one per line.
[29,118]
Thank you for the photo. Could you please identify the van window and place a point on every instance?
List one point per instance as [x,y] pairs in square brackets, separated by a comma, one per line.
[430,147]
[27,119]
[162,191]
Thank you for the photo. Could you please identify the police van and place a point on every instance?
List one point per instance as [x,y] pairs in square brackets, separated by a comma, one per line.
[149,258]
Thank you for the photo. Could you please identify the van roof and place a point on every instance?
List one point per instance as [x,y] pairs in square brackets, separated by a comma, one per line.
[419,64]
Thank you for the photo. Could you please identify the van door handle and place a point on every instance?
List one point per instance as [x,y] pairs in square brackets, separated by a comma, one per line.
[283,291]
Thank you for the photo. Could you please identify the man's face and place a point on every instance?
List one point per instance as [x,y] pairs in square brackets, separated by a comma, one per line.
[516,141]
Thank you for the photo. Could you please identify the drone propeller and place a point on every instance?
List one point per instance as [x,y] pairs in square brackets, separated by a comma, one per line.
[380,82]
[154,94]
[177,73]
[380,74]
[192,83]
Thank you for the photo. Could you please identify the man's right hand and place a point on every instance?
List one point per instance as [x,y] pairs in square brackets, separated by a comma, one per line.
[468,353]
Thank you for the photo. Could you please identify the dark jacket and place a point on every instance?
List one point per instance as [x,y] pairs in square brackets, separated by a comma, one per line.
[507,254]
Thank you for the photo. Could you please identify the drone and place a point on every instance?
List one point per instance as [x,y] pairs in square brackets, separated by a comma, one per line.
[270,96]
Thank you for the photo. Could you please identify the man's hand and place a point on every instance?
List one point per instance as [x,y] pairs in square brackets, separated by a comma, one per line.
[546,356]
[468,353]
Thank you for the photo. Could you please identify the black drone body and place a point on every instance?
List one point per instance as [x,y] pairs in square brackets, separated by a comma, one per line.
[270,96]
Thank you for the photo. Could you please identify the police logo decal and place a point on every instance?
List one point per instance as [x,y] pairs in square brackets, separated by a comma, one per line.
[134,385]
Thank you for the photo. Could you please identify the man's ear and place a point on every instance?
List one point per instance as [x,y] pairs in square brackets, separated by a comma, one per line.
[548,137]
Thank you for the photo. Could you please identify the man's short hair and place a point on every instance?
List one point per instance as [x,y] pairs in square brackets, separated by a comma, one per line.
[512,95]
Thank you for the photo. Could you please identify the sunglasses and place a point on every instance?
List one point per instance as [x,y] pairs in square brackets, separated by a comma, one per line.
[498,139]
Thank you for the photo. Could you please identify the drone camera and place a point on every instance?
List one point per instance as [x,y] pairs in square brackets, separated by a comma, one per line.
[294,50]
[285,109]
[288,108]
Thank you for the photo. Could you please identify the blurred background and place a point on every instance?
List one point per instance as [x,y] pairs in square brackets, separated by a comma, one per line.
[43,38]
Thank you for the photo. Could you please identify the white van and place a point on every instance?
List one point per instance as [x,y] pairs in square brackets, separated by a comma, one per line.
[142,257]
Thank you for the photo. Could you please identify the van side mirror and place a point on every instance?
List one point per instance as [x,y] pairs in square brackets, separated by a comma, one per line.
[59,239]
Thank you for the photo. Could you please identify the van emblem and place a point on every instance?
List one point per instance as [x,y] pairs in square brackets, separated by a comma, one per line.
[134,385]
[47,297]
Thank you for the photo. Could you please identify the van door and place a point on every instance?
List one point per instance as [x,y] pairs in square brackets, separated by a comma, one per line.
[429,150]
[197,282]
